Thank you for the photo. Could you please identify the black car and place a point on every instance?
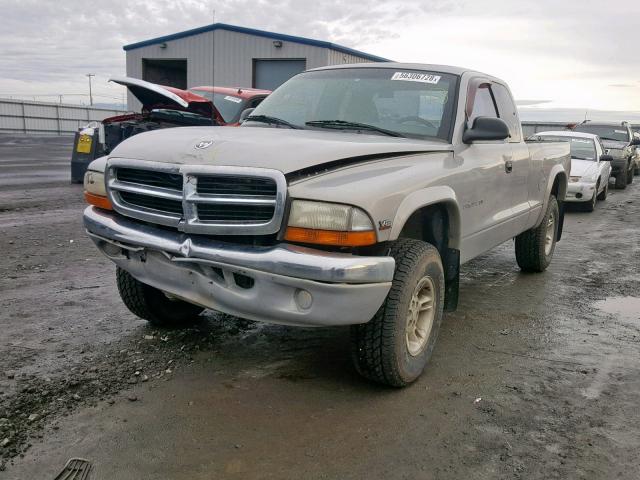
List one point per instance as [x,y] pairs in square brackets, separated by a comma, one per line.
[620,143]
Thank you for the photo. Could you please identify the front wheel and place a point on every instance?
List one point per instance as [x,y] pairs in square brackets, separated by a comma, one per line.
[153,305]
[394,347]
[621,181]
[603,195]
[535,247]
[630,176]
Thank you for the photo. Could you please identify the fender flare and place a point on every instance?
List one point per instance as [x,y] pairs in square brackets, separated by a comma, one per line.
[423,198]
[556,171]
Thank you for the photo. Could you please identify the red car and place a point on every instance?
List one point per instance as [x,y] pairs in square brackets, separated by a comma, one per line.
[166,107]
[231,102]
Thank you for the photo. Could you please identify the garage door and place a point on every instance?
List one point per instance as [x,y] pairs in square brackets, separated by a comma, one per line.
[270,74]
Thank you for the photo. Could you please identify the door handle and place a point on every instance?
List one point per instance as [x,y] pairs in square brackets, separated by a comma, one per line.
[508,166]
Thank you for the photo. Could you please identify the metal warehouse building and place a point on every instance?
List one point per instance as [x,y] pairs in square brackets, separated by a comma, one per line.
[228,55]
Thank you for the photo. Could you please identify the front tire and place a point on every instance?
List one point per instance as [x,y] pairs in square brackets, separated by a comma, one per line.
[535,247]
[394,347]
[153,305]
[603,195]
[590,206]
[630,176]
[621,181]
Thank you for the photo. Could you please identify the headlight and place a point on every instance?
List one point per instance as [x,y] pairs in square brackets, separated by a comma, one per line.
[329,224]
[95,192]
[574,179]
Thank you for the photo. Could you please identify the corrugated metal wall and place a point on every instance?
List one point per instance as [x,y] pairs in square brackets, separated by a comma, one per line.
[22,116]
[234,55]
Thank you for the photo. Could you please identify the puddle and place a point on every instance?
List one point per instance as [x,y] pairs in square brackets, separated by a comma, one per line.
[626,308]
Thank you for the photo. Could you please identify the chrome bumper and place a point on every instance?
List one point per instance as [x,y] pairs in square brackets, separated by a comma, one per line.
[289,284]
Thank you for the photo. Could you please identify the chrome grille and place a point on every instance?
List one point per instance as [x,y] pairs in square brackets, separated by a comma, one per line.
[199,199]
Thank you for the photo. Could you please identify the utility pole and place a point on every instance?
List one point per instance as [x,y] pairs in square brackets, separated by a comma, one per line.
[90,95]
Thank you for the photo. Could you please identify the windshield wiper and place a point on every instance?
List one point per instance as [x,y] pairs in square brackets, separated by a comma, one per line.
[343,124]
[582,158]
[612,139]
[273,121]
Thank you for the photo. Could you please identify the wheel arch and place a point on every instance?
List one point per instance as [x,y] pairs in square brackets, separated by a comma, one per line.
[432,215]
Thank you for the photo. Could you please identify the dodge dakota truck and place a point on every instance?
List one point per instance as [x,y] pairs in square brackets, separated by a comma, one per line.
[350,196]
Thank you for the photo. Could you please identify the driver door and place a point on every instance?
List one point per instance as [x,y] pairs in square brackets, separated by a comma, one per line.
[486,188]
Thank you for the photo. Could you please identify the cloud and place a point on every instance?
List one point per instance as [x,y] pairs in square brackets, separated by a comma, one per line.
[573,51]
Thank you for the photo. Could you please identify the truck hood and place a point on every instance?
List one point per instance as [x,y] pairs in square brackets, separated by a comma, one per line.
[581,168]
[154,96]
[282,149]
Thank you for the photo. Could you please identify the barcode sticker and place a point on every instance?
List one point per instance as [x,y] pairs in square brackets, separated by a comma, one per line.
[416,77]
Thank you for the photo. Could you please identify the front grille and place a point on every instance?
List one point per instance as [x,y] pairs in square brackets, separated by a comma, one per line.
[236,185]
[235,213]
[200,199]
[171,181]
[160,205]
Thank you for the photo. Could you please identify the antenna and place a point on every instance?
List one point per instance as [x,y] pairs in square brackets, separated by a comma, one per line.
[586,112]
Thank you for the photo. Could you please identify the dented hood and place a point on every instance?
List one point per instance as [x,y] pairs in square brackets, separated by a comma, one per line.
[154,96]
[278,148]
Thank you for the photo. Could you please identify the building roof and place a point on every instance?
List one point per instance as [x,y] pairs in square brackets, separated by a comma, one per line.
[258,33]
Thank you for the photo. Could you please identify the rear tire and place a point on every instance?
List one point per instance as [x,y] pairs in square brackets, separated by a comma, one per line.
[394,347]
[153,305]
[535,247]
[621,181]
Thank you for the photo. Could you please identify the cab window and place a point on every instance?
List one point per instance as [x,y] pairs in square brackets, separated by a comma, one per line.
[483,104]
[507,111]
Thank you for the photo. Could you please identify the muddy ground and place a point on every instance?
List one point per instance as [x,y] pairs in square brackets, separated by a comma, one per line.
[535,376]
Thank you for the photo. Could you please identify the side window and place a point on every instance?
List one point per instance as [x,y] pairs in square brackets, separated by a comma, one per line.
[507,110]
[483,104]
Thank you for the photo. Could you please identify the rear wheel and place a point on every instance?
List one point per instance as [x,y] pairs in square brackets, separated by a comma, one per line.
[535,247]
[394,347]
[153,305]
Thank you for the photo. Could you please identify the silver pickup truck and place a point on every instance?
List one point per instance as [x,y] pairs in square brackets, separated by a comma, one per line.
[350,196]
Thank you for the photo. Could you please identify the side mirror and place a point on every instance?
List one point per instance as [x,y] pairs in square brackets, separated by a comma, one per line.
[606,158]
[635,142]
[486,128]
[245,113]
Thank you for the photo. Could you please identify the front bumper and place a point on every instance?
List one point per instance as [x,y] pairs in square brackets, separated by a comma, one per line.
[580,192]
[287,284]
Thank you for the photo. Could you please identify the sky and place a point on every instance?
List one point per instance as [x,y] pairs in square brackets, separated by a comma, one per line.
[569,55]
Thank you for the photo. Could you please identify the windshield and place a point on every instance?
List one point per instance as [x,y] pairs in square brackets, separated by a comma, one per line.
[409,103]
[581,148]
[229,106]
[605,132]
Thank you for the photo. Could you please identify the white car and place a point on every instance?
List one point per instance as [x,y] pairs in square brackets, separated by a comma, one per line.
[590,166]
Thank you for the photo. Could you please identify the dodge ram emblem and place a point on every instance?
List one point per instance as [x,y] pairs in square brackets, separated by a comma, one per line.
[204,144]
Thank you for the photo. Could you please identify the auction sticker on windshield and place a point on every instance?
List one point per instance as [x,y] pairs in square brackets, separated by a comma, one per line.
[233,99]
[416,77]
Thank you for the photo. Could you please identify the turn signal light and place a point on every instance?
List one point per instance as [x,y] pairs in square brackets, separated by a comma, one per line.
[330,237]
[98,201]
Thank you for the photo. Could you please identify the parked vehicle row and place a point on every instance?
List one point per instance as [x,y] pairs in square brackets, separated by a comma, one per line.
[350,196]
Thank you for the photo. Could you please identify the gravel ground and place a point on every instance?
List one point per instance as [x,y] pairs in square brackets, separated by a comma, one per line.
[535,376]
